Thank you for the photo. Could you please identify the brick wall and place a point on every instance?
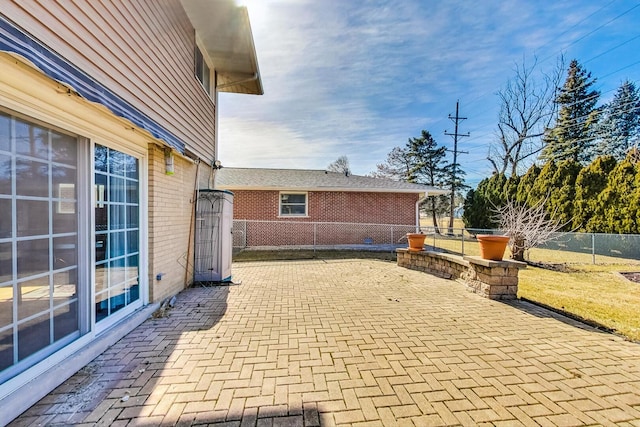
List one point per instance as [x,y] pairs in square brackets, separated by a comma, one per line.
[371,208]
[170,214]
[261,205]
[324,207]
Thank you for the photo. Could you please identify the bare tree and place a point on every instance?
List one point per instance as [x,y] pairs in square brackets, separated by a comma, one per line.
[527,226]
[340,165]
[527,108]
[397,166]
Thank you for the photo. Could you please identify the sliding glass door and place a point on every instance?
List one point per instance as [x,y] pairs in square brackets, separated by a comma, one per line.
[39,292]
[53,287]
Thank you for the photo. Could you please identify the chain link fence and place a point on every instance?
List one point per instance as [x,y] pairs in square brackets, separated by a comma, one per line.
[583,248]
[318,235]
[597,245]
[562,248]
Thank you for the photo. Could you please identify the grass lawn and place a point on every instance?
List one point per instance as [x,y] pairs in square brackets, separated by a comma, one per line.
[595,293]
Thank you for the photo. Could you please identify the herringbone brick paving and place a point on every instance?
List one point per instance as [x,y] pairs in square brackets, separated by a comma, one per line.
[351,342]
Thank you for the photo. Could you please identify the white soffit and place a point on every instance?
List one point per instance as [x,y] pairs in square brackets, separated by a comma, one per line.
[225,31]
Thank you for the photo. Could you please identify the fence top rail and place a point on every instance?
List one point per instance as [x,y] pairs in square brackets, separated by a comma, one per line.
[325,223]
[428,228]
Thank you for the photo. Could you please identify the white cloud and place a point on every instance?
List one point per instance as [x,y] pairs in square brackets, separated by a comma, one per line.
[252,143]
[360,77]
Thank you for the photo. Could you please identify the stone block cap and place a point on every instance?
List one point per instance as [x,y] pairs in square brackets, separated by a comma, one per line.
[506,263]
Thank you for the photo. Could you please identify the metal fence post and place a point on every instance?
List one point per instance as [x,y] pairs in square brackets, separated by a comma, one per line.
[315,232]
[593,247]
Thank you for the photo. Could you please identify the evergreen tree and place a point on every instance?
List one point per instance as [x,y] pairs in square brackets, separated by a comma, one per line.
[526,184]
[562,192]
[619,213]
[591,181]
[574,131]
[542,185]
[511,188]
[427,166]
[480,204]
[469,213]
[619,125]
[635,197]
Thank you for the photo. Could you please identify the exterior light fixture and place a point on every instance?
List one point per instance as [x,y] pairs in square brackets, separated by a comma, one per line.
[168,161]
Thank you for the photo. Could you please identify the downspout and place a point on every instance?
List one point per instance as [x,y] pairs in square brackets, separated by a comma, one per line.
[212,177]
[420,200]
[194,211]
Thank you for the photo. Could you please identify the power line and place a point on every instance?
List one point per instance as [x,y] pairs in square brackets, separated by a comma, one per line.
[611,49]
[575,25]
[598,28]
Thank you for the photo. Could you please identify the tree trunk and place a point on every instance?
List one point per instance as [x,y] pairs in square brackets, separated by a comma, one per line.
[517,249]
[434,216]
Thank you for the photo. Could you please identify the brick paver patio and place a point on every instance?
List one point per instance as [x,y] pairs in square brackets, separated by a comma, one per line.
[351,343]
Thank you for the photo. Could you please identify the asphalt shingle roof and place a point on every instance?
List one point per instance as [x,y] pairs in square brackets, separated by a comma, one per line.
[311,180]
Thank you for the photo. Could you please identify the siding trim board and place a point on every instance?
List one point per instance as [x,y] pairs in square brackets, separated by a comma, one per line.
[15,41]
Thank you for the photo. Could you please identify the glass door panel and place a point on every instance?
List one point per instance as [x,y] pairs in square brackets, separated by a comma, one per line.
[38,243]
[116,231]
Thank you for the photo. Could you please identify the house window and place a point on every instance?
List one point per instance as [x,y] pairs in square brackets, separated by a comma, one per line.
[203,73]
[40,275]
[293,204]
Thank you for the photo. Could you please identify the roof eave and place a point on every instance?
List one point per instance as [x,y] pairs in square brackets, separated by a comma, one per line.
[225,31]
[429,192]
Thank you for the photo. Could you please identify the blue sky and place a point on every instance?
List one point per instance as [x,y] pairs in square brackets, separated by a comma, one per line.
[360,77]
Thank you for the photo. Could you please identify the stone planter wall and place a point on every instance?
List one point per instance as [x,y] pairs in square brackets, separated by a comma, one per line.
[496,280]
[436,263]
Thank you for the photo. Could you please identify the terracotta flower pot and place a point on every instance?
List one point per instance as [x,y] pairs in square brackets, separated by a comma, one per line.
[491,246]
[416,241]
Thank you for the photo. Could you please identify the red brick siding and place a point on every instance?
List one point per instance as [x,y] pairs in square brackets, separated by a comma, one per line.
[371,208]
[256,205]
[324,207]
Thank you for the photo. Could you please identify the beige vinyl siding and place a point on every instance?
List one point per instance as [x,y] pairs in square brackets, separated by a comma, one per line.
[140,49]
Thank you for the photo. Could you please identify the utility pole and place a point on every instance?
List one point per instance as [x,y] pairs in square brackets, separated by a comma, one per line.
[455,151]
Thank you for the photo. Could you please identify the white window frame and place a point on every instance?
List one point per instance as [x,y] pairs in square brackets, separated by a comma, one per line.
[86,200]
[209,88]
[82,268]
[143,249]
[306,205]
